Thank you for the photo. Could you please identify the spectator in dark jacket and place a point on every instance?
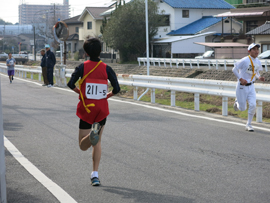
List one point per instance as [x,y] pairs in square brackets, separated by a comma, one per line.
[44,68]
[50,62]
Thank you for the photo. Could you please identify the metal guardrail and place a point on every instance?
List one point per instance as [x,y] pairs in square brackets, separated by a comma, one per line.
[192,63]
[225,89]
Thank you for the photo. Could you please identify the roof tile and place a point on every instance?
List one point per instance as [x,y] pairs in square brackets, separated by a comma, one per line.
[196,26]
[199,4]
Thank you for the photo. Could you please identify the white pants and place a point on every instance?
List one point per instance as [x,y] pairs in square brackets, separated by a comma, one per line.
[246,94]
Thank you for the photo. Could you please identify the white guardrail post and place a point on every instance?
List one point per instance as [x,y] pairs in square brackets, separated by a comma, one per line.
[153,95]
[259,112]
[3,189]
[197,102]
[224,106]
[135,93]
[172,98]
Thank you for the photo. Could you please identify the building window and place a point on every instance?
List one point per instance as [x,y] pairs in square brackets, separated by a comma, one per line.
[251,25]
[255,1]
[265,47]
[77,29]
[89,25]
[185,13]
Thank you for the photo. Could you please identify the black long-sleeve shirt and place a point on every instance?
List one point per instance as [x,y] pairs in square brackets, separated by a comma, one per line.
[79,70]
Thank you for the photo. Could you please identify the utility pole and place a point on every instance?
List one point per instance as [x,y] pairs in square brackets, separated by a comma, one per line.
[34,43]
[4,37]
[54,14]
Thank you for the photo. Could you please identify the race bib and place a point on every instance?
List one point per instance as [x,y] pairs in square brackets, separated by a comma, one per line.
[96,91]
[11,62]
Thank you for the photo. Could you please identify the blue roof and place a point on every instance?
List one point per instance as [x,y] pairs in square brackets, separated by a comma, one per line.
[199,4]
[196,26]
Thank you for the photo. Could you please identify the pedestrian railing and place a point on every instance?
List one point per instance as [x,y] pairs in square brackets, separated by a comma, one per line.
[224,89]
[195,63]
[21,70]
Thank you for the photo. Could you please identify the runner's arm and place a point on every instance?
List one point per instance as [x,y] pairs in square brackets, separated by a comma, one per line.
[113,80]
[78,73]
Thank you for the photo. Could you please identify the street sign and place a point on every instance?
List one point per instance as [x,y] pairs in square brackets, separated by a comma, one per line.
[31,42]
[12,48]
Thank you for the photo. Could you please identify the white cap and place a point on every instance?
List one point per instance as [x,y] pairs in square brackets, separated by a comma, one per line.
[47,46]
[253,45]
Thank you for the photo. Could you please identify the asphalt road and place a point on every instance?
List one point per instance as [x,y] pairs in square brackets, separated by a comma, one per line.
[150,153]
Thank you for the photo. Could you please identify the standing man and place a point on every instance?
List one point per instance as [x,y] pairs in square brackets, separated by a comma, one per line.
[50,62]
[246,70]
[10,66]
[44,68]
[93,107]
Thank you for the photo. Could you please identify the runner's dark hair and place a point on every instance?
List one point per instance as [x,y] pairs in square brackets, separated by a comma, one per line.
[92,47]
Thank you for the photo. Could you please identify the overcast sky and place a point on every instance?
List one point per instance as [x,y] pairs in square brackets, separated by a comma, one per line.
[9,9]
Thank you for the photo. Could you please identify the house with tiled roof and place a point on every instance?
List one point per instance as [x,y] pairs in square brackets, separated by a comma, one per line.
[192,19]
[261,35]
[92,22]
[73,42]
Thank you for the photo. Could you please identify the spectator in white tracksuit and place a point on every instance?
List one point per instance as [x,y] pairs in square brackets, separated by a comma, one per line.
[246,70]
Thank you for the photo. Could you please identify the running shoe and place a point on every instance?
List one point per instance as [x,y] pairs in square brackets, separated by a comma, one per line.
[95,181]
[10,81]
[235,105]
[49,85]
[44,85]
[94,134]
[249,128]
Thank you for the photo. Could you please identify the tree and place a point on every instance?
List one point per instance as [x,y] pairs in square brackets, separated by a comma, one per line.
[2,22]
[126,31]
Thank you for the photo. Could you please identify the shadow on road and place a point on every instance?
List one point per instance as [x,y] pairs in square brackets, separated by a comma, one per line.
[12,126]
[144,196]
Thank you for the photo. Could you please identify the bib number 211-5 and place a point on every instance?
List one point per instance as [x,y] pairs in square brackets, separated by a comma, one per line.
[96,91]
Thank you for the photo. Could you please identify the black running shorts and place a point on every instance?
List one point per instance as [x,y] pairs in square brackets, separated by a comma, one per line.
[85,125]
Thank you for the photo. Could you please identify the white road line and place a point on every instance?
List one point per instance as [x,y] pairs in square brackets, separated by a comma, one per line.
[170,111]
[57,191]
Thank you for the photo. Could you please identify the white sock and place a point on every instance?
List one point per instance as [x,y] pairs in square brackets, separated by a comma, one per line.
[250,117]
[94,174]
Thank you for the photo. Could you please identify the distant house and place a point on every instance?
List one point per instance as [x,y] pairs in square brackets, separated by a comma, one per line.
[181,13]
[28,41]
[92,21]
[194,21]
[261,35]
[73,42]
[252,17]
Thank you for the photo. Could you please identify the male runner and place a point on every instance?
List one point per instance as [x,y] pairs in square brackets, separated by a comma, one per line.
[246,70]
[93,106]
[10,67]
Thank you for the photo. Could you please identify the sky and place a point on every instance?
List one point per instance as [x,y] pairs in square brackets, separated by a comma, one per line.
[10,12]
